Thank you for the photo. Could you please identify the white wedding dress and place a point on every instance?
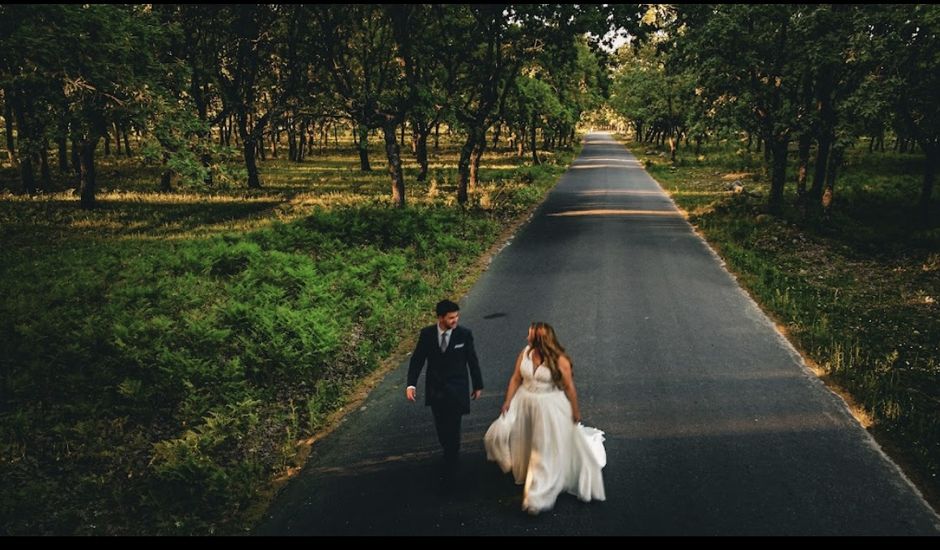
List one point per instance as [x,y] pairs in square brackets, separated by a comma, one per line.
[546,451]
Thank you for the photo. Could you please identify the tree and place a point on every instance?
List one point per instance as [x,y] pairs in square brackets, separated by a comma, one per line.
[501,38]
[358,48]
[426,42]
[906,43]
[97,75]
[30,53]
[245,72]
[745,54]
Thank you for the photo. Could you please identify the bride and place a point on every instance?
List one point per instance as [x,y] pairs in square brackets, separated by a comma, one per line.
[538,435]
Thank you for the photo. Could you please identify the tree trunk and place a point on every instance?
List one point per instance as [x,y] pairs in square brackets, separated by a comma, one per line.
[117,140]
[475,157]
[45,181]
[87,177]
[363,146]
[292,139]
[674,140]
[27,175]
[127,144]
[819,171]
[463,168]
[421,131]
[832,171]
[806,141]
[107,143]
[826,129]
[932,150]
[63,154]
[77,165]
[251,164]
[166,178]
[8,120]
[536,161]
[166,181]
[27,162]
[249,147]
[437,136]
[27,158]
[224,133]
[259,141]
[312,141]
[301,138]
[778,148]
[393,151]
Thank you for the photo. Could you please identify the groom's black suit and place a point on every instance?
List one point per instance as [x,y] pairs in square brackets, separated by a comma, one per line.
[446,389]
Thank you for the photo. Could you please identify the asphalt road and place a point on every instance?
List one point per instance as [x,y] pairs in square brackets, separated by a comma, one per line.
[714,426]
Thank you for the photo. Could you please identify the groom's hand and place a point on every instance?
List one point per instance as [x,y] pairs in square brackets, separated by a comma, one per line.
[476,394]
[410,392]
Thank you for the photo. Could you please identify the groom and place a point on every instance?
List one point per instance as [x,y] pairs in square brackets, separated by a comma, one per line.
[448,350]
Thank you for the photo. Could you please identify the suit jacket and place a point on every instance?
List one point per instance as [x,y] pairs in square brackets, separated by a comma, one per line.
[446,379]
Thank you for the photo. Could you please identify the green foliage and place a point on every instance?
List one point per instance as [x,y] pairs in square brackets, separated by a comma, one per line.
[184,370]
[178,144]
[205,467]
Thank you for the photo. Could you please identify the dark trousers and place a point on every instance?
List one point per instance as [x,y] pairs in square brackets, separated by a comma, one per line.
[447,424]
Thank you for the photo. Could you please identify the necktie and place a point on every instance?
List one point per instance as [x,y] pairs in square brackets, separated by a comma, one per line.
[443,342]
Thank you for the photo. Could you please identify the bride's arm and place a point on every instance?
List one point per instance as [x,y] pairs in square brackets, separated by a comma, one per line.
[514,383]
[564,365]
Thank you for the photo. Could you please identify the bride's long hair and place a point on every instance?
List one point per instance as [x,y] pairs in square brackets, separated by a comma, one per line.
[545,341]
